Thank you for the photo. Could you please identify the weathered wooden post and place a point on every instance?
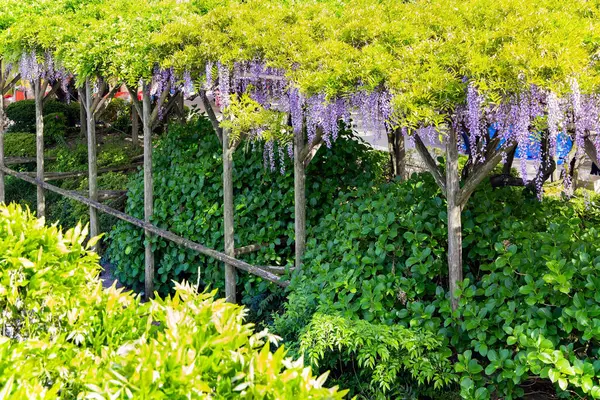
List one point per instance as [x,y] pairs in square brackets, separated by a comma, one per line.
[82,112]
[454,217]
[299,198]
[38,95]
[148,191]
[2,125]
[135,125]
[230,272]
[92,164]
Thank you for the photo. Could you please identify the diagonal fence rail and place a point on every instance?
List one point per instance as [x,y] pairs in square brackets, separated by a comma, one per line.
[239,264]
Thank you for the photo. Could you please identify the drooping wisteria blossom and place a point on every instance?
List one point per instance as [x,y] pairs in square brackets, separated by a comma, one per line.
[269,155]
[224,85]
[473,120]
[577,115]
[374,109]
[555,121]
[30,68]
[188,85]
[296,110]
[209,75]
[161,79]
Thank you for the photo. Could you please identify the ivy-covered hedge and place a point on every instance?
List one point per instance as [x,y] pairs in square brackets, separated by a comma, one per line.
[529,314]
[65,337]
[188,201]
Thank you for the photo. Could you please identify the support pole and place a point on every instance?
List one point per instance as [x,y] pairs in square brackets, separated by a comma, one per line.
[299,198]
[148,192]
[455,272]
[230,273]
[2,125]
[135,125]
[39,131]
[92,164]
[82,112]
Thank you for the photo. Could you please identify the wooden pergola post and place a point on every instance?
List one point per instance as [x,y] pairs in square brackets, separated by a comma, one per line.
[38,95]
[299,198]
[82,111]
[230,272]
[148,191]
[135,125]
[2,125]
[92,159]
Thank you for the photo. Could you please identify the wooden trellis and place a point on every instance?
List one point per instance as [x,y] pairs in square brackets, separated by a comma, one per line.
[148,117]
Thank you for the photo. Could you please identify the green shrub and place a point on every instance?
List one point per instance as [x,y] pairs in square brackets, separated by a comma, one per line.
[529,311]
[66,337]
[188,197]
[22,114]
[118,115]
[19,145]
[55,126]
[378,354]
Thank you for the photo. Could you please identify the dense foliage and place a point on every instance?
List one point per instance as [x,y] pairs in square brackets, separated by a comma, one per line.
[70,157]
[188,186]
[529,305]
[22,114]
[66,337]
[19,145]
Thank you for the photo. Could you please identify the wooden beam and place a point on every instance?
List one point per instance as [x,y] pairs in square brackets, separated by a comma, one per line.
[250,249]
[105,195]
[188,244]
[51,176]
[212,117]
[148,192]
[135,126]
[2,125]
[430,163]
[134,99]
[24,160]
[277,270]
[299,199]
[92,159]
[38,94]
[11,84]
[230,273]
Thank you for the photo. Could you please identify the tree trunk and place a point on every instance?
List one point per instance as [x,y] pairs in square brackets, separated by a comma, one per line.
[455,272]
[397,152]
[135,126]
[510,157]
[299,198]
[82,111]
[148,192]
[39,131]
[92,164]
[230,272]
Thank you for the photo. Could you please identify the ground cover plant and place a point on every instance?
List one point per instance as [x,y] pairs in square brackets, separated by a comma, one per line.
[65,336]
[529,304]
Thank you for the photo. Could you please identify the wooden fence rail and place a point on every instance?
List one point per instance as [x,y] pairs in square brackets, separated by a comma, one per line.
[239,264]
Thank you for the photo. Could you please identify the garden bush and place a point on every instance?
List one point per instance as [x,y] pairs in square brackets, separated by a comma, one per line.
[55,126]
[118,115]
[529,312]
[22,114]
[18,144]
[66,337]
[188,197]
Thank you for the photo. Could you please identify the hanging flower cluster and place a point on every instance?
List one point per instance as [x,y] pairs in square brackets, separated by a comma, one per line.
[33,68]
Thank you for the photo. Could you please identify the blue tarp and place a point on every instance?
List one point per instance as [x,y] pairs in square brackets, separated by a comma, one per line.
[563,145]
